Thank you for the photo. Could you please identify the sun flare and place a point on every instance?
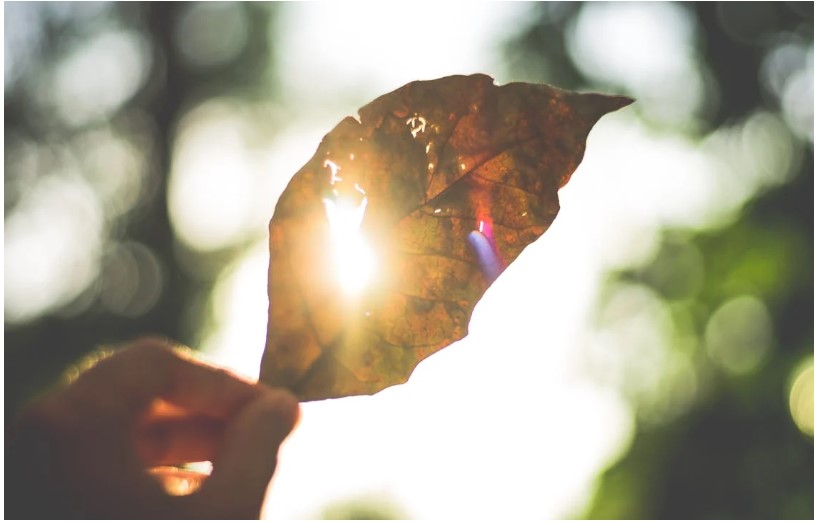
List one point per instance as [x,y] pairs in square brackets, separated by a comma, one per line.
[352,259]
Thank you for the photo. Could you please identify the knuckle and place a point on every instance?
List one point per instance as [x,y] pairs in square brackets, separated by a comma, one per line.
[281,405]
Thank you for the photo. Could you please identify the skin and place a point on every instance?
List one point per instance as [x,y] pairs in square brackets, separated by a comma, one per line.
[85,450]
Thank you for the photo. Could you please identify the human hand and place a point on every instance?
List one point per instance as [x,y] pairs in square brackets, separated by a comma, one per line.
[86,449]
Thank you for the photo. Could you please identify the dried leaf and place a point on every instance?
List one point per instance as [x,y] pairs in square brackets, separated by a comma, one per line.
[382,244]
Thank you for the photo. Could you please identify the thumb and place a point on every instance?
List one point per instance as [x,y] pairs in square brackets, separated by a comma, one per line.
[249,455]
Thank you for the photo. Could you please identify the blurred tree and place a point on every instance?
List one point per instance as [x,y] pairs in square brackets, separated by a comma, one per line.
[740,295]
[57,78]
[736,453]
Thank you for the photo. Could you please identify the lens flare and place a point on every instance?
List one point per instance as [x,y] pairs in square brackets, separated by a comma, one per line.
[484,245]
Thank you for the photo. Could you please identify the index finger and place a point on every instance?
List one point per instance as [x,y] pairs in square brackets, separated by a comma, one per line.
[129,381]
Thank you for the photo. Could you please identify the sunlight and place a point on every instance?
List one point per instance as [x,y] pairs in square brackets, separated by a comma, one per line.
[352,258]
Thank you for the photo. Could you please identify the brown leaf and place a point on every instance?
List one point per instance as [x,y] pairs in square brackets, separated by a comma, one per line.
[382,244]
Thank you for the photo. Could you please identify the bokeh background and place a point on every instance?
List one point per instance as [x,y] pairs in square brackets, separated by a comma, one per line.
[650,357]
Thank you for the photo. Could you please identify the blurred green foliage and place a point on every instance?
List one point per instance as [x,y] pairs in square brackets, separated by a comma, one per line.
[735,453]
[731,452]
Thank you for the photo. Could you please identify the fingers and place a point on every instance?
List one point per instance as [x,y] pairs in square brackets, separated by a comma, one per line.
[244,468]
[147,405]
[170,442]
[148,369]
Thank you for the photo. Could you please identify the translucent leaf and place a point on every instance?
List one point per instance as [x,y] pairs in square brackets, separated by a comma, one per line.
[383,243]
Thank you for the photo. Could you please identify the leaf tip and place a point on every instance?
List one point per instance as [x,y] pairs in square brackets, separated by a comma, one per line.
[602,104]
[621,101]
[592,106]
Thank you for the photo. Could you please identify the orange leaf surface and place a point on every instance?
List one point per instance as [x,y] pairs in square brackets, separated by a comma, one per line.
[382,244]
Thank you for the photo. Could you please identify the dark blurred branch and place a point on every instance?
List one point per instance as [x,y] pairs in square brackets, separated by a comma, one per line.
[169,85]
